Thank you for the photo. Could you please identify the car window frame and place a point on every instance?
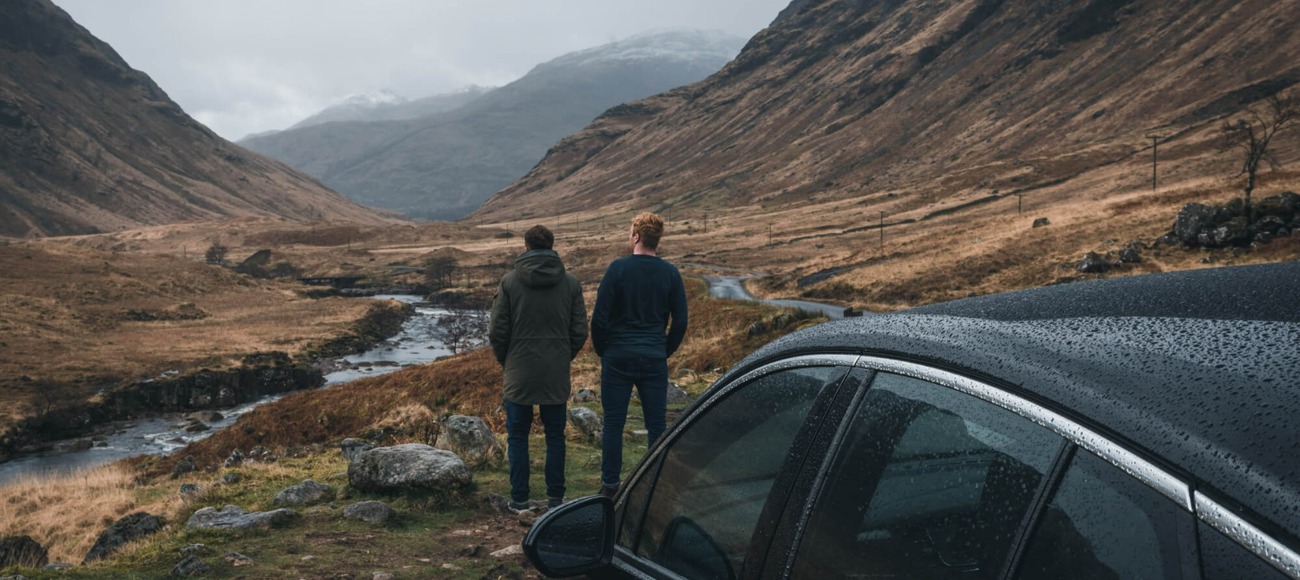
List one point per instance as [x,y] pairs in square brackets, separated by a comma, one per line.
[1077,435]
[832,403]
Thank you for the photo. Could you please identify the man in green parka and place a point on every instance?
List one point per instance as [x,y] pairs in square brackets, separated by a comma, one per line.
[538,325]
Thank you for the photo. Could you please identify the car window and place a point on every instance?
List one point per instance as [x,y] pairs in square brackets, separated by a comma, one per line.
[928,483]
[715,476]
[1224,559]
[1102,523]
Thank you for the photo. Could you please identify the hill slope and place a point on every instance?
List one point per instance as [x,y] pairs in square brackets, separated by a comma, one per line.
[87,144]
[907,104]
[446,165]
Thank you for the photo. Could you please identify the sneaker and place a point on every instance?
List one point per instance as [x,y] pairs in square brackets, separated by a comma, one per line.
[609,491]
[518,507]
[554,502]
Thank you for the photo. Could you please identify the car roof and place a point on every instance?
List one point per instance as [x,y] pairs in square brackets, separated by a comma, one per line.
[1200,369]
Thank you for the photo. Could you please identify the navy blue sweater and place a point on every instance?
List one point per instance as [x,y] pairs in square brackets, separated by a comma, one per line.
[637,297]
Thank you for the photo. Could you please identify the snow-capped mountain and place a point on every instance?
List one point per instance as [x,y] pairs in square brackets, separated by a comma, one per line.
[385,105]
[680,45]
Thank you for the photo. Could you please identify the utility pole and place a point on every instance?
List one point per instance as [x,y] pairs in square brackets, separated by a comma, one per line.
[1155,141]
[882,233]
[1019,203]
[769,234]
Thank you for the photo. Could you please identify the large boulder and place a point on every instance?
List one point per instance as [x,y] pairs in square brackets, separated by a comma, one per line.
[235,518]
[306,493]
[22,551]
[471,439]
[1193,219]
[1233,232]
[413,466]
[127,529]
[586,422]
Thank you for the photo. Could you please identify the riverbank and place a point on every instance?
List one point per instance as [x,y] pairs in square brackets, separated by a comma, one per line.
[256,376]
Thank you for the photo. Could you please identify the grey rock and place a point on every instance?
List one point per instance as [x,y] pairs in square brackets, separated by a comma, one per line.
[189,567]
[1230,233]
[1193,220]
[231,478]
[22,551]
[355,447]
[236,457]
[1042,222]
[471,439]
[371,512]
[205,416]
[584,396]
[306,493]
[677,395]
[1270,224]
[381,576]
[237,560]
[189,490]
[58,566]
[410,466]
[127,529]
[586,422]
[235,518]
[194,549]
[183,466]
[1093,263]
[1130,255]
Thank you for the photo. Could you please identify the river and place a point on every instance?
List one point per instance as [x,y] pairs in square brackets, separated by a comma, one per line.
[417,343]
[733,287]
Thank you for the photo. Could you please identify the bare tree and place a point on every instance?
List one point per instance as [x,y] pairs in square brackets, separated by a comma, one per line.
[216,253]
[1252,134]
[440,271]
[463,329]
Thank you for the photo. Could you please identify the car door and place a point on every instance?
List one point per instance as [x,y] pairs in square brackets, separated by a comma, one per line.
[702,503]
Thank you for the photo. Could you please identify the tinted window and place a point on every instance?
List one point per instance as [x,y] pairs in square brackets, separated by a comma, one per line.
[1224,559]
[928,483]
[1102,523]
[715,476]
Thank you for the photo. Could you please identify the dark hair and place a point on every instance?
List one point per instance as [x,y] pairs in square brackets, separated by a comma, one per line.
[539,238]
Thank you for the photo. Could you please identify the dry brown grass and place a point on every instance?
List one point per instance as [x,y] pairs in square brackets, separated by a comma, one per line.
[67,513]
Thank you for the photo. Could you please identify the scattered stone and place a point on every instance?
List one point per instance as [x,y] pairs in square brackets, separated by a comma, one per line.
[354,447]
[584,396]
[471,439]
[1042,222]
[235,518]
[1130,255]
[1093,263]
[205,416]
[450,566]
[189,490]
[194,549]
[410,466]
[511,550]
[685,374]
[58,566]
[260,453]
[236,457]
[22,551]
[586,422]
[471,551]
[236,559]
[382,576]
[372,512]
[677,395]
[183,466]
[306,493]
[231,478]
[190,566]
[127,529]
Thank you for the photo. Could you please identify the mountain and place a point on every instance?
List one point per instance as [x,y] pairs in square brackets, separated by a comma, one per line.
[906,104]
[443,166]
[87,144]
[386,106]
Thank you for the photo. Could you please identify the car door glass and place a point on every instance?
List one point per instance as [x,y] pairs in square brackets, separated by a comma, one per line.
[1224,559]
[1102,523]
[928,483]
[715,476]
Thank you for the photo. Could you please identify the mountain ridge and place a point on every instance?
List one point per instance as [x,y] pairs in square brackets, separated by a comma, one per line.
[90,144]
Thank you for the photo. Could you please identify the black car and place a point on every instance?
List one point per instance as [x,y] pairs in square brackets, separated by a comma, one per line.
[1141,427]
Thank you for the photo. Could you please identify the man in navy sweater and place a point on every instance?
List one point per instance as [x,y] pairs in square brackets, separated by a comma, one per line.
[638,297]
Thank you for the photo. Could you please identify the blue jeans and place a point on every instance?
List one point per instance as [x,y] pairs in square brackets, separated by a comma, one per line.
[617,377]
[519,422]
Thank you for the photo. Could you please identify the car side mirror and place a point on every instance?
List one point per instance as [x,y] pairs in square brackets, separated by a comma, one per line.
[573,539]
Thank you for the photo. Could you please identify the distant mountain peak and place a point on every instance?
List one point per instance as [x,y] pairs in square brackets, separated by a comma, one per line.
[371,100]
[684,44]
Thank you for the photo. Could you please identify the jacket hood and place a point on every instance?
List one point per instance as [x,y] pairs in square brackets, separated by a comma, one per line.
[539,268]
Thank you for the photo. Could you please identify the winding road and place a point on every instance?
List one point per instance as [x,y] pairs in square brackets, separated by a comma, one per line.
[733,287]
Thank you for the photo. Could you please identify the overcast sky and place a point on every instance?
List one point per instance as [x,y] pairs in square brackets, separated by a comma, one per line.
[246,66]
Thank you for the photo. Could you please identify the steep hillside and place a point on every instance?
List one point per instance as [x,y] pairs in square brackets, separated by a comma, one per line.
[905,105]
[386,106]
[446,165]
[87,144]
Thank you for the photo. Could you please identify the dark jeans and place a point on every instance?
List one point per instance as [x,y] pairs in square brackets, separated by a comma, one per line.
[617,377]
[519,421]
